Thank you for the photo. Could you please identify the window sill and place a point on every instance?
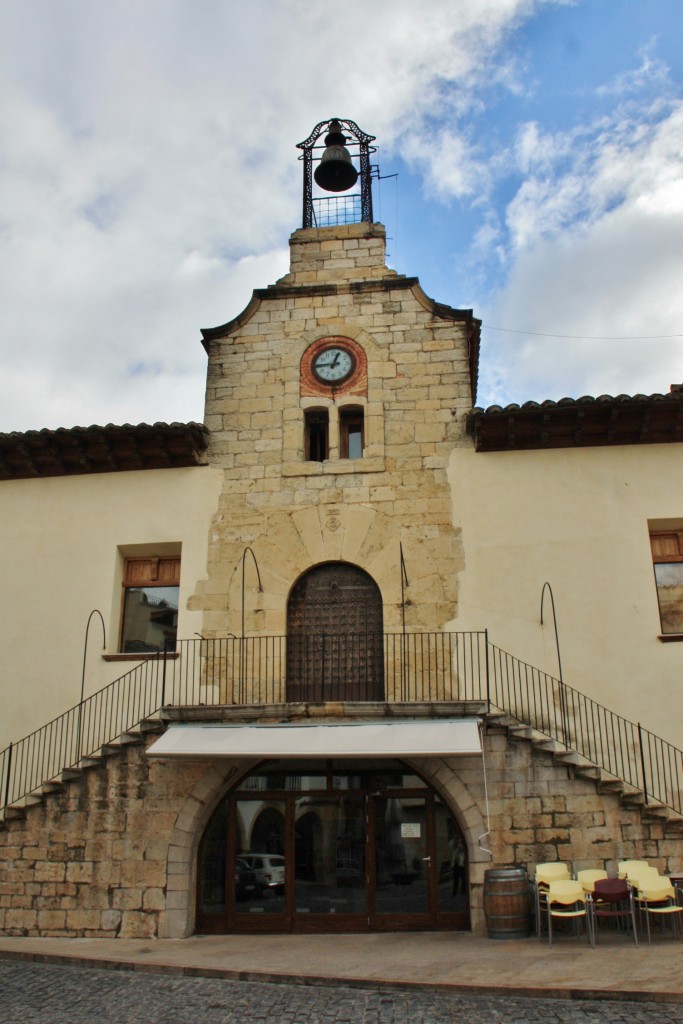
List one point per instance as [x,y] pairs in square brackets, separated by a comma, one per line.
[671,638]
[335,467]
[139,657]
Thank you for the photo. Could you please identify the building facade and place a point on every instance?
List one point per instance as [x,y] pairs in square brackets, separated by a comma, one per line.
[326,700]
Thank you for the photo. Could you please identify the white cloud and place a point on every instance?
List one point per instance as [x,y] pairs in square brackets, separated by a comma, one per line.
[650,70]
[597,253]
[148,152]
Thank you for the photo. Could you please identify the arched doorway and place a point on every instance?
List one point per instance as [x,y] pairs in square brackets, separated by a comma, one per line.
[335,642]
[365,847]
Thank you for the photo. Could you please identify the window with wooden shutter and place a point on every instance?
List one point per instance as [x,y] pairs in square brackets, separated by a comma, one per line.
[667,557]
[149,621]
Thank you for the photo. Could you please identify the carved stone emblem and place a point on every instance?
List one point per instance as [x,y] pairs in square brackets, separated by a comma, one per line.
[332,519]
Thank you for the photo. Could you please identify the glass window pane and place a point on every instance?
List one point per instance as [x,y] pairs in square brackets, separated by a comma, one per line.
[401,855]
[355,441]
[212,855]
[669,577]
[260,861]
[330,855]
[351,433]
[451,861]
[150,617]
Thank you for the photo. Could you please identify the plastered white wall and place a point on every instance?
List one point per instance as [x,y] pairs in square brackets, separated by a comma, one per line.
[578,519]
[60,558]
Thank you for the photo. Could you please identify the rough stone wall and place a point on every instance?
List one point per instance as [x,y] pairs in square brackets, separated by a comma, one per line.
[96,860]
[115,854]
[296,513]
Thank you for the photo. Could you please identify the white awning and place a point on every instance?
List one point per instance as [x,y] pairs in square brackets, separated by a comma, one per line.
[443,737]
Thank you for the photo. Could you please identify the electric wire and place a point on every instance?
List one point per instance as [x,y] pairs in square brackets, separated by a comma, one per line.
[586,337]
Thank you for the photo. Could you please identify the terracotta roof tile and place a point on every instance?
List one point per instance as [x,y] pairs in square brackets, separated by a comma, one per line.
[579,422]
[109,449]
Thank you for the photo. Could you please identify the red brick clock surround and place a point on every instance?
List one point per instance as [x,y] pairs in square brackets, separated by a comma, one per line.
[356,384]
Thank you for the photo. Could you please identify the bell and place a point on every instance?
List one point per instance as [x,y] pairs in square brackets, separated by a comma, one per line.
[335,172]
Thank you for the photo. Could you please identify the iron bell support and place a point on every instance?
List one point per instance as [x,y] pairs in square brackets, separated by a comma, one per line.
[360,141]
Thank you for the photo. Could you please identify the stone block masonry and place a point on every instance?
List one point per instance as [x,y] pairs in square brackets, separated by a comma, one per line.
[413,388]
[115,853]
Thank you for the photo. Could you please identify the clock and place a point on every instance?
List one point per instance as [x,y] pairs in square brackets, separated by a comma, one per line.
[334,364]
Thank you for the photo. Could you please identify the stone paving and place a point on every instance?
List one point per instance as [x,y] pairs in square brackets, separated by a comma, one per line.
[33,993]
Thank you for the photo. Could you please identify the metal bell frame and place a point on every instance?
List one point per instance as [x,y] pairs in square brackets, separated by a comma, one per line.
[364,149]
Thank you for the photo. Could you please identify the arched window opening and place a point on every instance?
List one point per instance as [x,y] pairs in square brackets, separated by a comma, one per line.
[316,435]
[343,845]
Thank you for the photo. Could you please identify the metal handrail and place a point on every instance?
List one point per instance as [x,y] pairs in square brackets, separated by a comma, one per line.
[623,749]
[394,667]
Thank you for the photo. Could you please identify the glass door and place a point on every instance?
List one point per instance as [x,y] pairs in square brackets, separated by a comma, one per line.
[417,856]
[329,862]
[401,842]
[339,848]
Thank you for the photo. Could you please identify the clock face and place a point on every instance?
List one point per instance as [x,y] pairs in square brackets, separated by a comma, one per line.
[333,365]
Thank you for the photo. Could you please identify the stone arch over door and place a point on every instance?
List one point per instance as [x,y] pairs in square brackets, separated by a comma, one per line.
[465,799]
[335,635]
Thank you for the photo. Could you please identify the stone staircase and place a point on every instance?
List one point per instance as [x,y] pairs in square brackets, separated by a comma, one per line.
[135,737]
[651,811]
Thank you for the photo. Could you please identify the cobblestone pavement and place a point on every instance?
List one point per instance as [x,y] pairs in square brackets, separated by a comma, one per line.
[52,994]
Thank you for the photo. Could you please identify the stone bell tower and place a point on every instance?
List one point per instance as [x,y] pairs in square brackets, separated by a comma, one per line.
[334,400]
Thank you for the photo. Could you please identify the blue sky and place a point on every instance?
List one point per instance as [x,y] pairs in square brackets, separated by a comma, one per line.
[149,181]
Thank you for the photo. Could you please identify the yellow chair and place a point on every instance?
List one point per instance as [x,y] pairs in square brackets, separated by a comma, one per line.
[554,872]
[639,876]
[589,876]
[623,866]
[566,899]
[544,874]
[658,897]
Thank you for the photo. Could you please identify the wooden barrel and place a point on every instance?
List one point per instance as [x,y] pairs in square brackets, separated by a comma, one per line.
[507,903]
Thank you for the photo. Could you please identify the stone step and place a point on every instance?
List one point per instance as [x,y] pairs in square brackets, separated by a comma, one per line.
[111,749]
[14,812]
[656,811]
[152,725]
[608,784]
[588,771]
[131,738]
[52,786]
[521,732]
[90,761]
[548,745]
[500,719]
[570,757]
[633,798]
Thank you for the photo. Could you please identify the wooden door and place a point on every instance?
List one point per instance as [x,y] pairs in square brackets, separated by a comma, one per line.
[335,643]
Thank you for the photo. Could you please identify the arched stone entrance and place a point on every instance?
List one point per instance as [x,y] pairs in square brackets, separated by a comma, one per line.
[335,642]
[367,846]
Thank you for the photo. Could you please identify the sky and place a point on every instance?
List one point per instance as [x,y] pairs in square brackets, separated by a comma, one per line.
[530,153]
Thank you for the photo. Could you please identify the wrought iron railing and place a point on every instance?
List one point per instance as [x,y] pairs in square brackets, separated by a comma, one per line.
[61,744]
[623,749]
[411,667]
[331,211]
